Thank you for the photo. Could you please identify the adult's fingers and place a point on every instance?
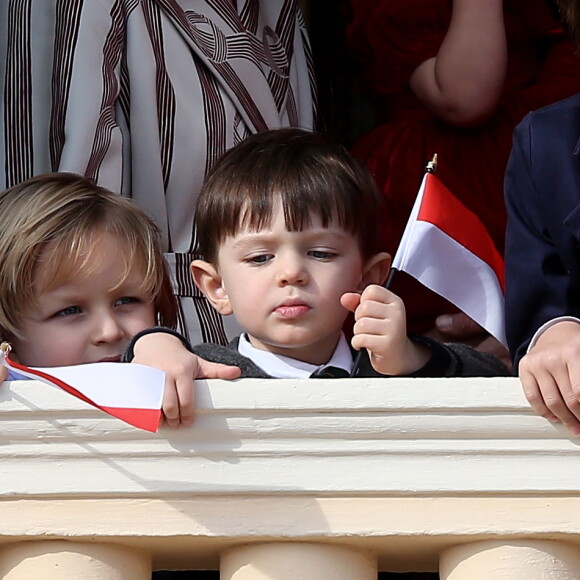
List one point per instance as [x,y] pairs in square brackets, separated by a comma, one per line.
[534,394]
[551,396]
[458,325]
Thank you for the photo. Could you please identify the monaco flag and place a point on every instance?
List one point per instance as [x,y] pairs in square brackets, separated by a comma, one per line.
[447,249]
[130,392]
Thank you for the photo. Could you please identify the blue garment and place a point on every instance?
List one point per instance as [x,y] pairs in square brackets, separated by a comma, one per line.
[14,376]
[543,233]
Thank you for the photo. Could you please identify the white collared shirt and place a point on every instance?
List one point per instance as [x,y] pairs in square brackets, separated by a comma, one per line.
[284,367]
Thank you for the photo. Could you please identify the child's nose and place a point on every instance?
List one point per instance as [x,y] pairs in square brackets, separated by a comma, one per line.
[292,271]
[108,328]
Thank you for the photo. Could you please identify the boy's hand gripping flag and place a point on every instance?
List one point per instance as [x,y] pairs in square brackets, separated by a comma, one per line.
[130,392]
[446,248]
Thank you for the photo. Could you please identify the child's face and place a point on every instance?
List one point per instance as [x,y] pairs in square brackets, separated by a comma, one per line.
[284,287]
[86,319]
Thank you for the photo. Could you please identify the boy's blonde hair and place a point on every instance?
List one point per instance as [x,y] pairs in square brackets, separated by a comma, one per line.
[66,214]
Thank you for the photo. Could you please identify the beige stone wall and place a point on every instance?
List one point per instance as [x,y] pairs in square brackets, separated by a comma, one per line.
[354,476]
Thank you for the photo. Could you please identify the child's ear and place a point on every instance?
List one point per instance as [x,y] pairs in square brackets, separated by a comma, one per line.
[375,270]
[208,280]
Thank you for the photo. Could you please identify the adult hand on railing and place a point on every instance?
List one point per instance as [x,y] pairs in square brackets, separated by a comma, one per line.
[550,375]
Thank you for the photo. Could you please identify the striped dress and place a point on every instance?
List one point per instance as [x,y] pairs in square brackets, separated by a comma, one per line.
[143,96]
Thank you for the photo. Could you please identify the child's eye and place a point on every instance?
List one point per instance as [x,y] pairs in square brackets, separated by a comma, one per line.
[126,300]
[69,311]
[322,254]
[259,259]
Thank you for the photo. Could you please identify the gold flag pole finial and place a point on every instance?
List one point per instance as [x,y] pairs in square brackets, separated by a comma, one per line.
[432,165]
[5,347]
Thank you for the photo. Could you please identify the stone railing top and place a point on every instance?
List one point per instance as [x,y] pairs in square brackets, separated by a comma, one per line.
[362,437]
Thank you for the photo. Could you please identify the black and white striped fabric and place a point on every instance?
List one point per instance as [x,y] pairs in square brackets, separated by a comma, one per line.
[143,96]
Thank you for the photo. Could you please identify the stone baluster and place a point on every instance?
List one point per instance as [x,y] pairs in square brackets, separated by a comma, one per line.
[516,560]
[63,560]
[291,560]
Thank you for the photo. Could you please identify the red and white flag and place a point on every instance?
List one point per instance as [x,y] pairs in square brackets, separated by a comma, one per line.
[130,392]
[447,248]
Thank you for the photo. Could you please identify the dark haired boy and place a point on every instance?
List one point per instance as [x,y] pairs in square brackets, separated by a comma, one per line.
[287,224]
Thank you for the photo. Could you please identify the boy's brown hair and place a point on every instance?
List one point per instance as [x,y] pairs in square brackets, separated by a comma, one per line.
[309,172]
[67,213]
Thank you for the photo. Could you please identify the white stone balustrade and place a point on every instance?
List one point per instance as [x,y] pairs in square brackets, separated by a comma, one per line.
[290,479]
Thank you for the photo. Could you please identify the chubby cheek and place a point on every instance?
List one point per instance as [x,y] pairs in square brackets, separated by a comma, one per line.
[344,284]
[245,292]
[42,347]
[247,302]
[44,355]
[145,319]
[248,309]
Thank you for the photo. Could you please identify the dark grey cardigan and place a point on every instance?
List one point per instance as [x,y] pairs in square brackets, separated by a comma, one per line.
[447,359]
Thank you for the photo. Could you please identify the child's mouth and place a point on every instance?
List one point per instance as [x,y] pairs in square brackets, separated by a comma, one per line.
[292,311]
[116,358]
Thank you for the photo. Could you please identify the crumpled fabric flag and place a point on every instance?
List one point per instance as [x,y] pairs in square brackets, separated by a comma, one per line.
[130,392]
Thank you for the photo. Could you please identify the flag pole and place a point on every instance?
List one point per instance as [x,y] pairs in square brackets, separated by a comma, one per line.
[431,167]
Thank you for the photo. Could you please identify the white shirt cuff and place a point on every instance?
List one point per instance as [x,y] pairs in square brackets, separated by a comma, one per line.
[547,325]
